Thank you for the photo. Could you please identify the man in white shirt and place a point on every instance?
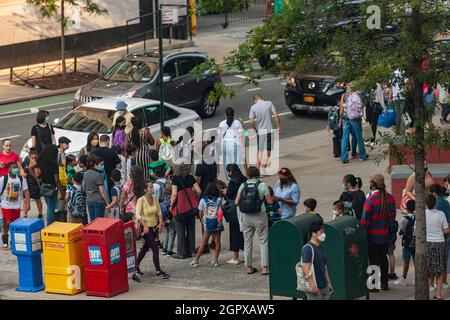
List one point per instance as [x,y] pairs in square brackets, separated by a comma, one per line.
[262,112]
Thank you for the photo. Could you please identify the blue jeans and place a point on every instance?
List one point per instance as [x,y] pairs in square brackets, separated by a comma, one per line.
[356,125]
[354,140]
[52,203]
[96,210]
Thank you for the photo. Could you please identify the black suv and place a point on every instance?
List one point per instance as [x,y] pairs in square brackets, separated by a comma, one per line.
[313,93]
[137,75]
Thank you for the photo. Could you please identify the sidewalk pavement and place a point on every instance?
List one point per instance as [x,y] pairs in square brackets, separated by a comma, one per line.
[217,43]
[310,158]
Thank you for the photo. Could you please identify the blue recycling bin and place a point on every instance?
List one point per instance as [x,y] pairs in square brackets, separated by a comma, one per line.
[27,246]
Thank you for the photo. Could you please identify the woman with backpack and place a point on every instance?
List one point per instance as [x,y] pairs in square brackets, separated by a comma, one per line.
[236,178]
[211,215]
[287,193]
[250,199]
[351,112]
[230,134]
[93,141]
[184,209]
[143,140]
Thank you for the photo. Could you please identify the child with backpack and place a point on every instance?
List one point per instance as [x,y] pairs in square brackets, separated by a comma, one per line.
[169,230]
[33,177]
[116,191]
[165,145]
[272,210]
[14,189]
[157,168]
[76,200]
[211,214]
[407,226]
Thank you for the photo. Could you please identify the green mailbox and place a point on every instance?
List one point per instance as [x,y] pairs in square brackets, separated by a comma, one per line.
[286,240]
[347,258]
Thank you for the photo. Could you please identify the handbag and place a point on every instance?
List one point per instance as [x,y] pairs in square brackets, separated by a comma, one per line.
[194,211]
[302,280]
[229,210]
[387,119]
[48,190]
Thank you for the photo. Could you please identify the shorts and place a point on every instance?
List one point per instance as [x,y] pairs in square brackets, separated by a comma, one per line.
[391,249]
[10,215]
[408,253]
[265,142]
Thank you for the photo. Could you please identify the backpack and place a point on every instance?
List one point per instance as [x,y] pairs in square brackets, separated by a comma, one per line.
[118,189]
[333,119]
[165,204]
[353,107]
[211,215]
[5,183]
[250,202]
[166,151]
[118,138]
[408,239]
[76,205]
[162,189]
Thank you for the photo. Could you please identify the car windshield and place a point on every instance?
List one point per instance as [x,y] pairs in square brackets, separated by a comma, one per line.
[84,119]
[131,71]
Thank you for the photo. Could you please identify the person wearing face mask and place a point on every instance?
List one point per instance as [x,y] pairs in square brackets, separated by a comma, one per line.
[93,185]
[42,133]
[13,190]
[122,111]
[347,200]
[92,143]
[408,192]
[315,264]
[379,220]
[287,193]
[148,213]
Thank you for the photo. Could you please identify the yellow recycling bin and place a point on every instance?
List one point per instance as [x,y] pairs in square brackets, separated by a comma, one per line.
[63,258]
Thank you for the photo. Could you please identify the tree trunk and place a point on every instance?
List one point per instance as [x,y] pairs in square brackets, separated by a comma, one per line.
[63,49]
[421,281]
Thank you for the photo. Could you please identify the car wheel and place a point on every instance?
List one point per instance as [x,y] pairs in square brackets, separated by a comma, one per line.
[207,109]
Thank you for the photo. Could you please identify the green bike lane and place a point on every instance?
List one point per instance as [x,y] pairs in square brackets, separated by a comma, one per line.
[36,103]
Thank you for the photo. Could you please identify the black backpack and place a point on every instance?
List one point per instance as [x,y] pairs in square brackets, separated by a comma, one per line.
[408,240]
[250,203]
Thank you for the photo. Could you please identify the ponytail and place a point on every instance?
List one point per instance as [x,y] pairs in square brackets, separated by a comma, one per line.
[353,181]
[229,112]
[359,182]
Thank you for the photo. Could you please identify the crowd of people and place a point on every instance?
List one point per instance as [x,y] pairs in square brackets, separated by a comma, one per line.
[133,176]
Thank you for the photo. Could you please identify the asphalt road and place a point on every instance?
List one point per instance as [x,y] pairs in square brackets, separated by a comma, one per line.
[18,126]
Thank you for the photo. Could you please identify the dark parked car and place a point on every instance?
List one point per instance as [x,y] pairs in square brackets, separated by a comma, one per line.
[313,93]
[137,75]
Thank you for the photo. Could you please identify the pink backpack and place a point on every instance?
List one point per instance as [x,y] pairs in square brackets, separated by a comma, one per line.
[353,106]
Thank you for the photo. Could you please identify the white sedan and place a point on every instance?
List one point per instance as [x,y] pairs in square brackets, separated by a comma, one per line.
[97,116]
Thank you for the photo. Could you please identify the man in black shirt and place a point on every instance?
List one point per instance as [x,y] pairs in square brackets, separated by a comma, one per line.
[42,133]
[109,156]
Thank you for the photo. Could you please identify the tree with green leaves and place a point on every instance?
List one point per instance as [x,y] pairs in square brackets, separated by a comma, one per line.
[51,8]
[365,43]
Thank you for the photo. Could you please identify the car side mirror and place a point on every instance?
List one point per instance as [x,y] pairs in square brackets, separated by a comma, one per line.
[56,121]
[167,79]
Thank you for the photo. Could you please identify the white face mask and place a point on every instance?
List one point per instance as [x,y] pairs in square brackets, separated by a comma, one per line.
[322,237]
[335,212]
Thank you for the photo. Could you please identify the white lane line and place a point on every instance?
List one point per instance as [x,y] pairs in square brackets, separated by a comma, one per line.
[254,89]
[34,110]
[234,84]
[280,114]
[10,137]
[257,81]
[240,76]
[30,113]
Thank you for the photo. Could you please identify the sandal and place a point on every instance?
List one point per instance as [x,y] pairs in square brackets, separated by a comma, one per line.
[254,270]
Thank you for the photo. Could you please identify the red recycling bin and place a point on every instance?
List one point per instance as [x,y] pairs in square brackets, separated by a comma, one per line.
[105,258]
[130,246]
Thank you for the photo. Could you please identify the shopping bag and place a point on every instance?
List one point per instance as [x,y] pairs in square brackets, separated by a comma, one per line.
[387,119]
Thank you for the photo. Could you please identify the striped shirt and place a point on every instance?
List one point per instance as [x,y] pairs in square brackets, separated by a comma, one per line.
[376,225]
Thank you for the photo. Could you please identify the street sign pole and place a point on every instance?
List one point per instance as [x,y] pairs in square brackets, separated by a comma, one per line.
[161,75]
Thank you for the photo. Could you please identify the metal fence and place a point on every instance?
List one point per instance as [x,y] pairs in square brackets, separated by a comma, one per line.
[49,69]
[254,12]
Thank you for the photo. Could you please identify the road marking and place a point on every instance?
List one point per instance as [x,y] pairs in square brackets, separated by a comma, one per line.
[10,137]
[241,76]
[254,89]
[34,110]
[234,84]
[280,115]
[30,113]
[43,106]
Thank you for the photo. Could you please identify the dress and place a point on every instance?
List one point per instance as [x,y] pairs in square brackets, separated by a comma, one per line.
[143,157]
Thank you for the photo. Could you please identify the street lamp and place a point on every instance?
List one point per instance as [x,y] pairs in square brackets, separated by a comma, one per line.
[161,75]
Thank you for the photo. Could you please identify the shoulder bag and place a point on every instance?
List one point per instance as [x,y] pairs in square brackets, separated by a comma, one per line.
[193,210]
[302,279]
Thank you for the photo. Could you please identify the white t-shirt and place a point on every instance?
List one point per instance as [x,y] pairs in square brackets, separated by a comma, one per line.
[13,193]
[436,221]
[230,133]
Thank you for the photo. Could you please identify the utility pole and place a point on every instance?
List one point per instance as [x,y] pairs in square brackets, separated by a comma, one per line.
[161,74]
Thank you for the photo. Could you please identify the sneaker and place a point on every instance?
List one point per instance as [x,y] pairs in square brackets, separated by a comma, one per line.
[355,155]
[364,159]
[139,272]
[445,286]
[400,282]
[163,251]
[169,253]
[345,161]
[162,275]
[194,264]
[432,288]
[233,261]
[135,278]
[214,264]
[392,276]
[5,241]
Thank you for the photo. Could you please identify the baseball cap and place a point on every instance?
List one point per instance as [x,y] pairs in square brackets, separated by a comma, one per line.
[64,140]
[121,105]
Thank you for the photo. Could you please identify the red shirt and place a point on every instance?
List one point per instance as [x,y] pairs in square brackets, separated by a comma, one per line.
[5,159]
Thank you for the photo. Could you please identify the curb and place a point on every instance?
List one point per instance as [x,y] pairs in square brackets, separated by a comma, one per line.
[52,93]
